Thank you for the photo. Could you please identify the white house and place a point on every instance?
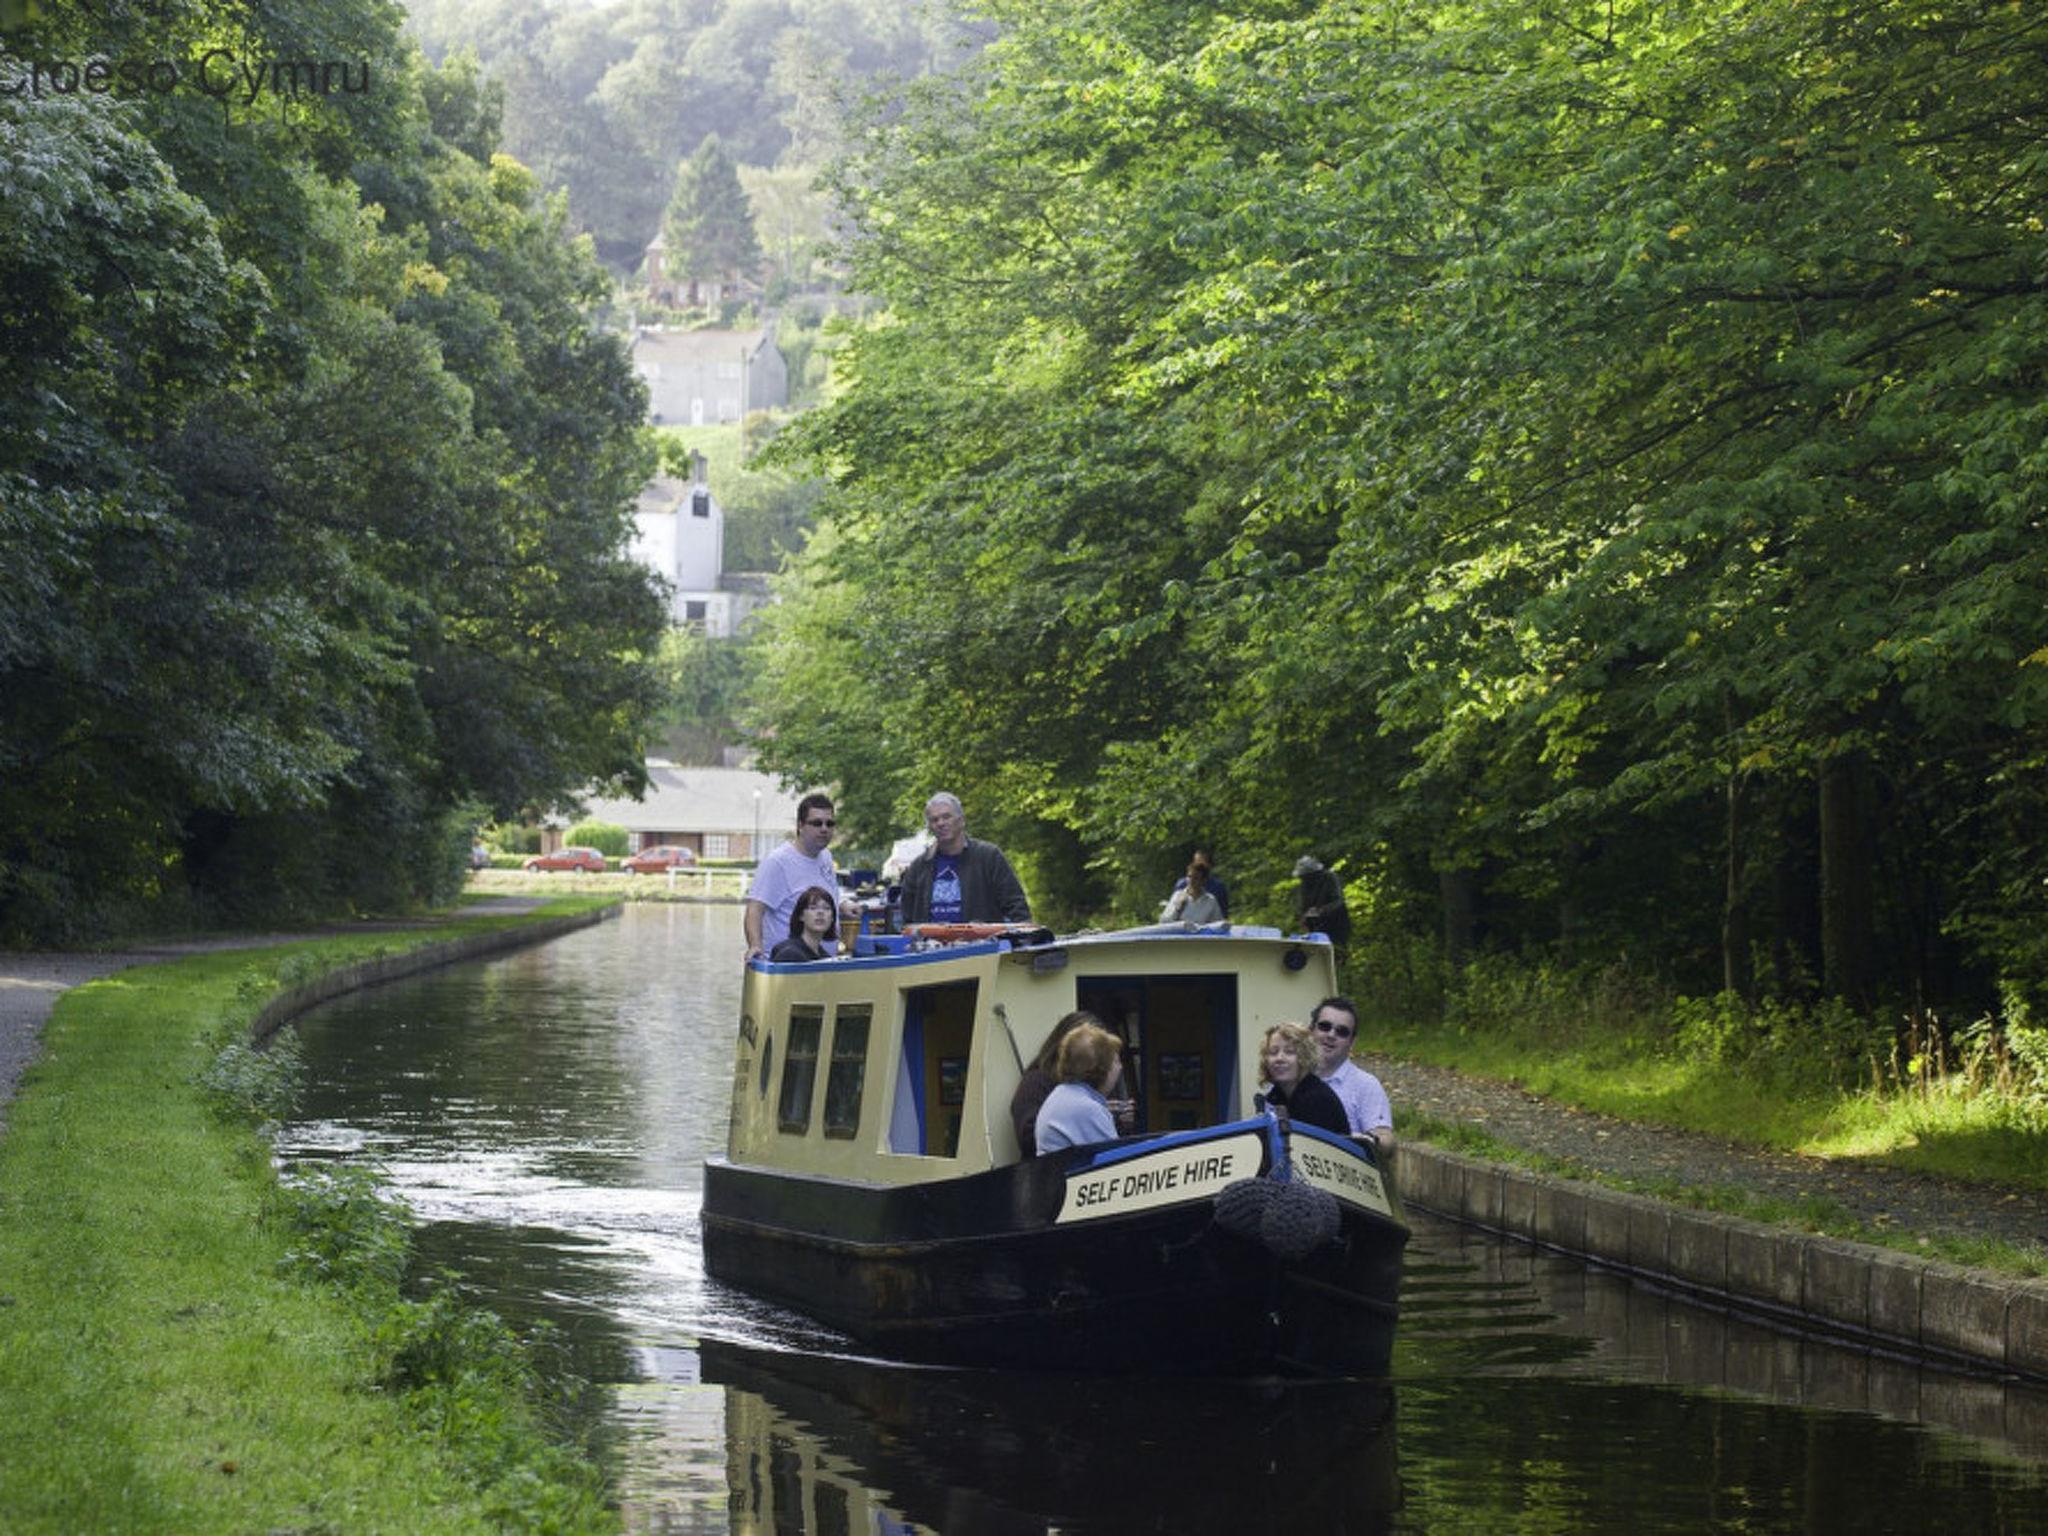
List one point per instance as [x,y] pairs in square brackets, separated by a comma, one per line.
[679,532]
[720,813]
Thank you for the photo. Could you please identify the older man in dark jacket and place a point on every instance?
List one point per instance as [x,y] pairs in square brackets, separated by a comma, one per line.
[958,879]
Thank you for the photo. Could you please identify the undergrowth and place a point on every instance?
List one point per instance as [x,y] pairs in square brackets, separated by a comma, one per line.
[1969,1100]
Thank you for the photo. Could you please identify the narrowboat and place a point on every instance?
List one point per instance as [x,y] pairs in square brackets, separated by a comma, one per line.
[873,1178]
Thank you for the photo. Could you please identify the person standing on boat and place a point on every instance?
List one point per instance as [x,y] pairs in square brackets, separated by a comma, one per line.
[1077,1113]
[1214,883]
[1368,1114]
[960,879]
[1194,899]
[1288,1056]
[1322,901]
[813,925]
[789,871]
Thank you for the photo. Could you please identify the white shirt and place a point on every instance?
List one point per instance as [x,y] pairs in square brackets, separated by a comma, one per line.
[1365,1102]
[783,876]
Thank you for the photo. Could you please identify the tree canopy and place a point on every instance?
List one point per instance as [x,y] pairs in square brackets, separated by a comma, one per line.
[709,227]
[315,482]
[603,100]
[1578,469]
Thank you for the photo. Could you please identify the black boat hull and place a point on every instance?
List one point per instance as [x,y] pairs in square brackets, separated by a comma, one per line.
[980,1271]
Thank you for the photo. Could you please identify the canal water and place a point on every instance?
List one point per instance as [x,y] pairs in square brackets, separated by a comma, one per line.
[547,1115]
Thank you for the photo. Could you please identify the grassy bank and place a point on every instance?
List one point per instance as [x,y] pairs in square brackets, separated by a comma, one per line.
[1820,1081]
[186,1346]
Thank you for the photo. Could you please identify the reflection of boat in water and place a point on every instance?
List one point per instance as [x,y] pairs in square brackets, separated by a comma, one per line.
[817,1444]
[874,1181]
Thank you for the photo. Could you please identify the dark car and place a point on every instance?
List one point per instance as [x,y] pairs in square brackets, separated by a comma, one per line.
[652,861]
[569,858]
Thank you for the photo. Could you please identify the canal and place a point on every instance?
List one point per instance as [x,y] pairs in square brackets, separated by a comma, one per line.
[547,1114]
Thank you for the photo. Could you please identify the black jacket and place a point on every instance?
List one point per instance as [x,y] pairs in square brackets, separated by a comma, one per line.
[990,891]
[1313,1102]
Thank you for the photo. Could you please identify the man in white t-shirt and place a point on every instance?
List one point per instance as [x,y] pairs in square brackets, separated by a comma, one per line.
[788,872]
[1334,1023]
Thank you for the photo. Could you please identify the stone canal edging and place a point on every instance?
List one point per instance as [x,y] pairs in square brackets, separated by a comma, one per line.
[288,1005]
[1872,1296]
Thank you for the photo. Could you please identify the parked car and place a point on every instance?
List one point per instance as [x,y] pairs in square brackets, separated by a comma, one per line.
[652,861]
[569,858]
[479,856]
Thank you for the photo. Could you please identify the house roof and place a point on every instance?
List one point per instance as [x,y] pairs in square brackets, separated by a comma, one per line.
[697,347]
[682,798]
[664,493]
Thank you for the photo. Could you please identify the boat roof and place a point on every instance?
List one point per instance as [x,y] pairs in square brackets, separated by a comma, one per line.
[1088,938]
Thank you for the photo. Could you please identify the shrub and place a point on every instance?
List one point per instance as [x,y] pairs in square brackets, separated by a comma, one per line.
[608,838]
[514,841]
[348,1232]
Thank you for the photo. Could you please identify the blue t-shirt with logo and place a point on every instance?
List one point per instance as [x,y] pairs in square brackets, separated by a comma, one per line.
[945,889]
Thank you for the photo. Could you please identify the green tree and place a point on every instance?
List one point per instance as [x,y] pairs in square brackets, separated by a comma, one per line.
[1581,467]
[316,478]
[709,226]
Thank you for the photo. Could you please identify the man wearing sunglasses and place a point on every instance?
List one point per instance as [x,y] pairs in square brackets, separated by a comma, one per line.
[1334,1023]
[960,879]
[789,871]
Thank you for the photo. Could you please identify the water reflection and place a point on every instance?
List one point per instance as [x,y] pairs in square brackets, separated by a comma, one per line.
[1015,1453]
[547,1115]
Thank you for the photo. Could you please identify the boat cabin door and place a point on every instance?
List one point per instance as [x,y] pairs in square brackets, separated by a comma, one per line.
[1180,1039]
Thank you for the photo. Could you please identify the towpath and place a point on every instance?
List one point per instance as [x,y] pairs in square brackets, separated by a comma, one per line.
[1883,1199]
[31,982]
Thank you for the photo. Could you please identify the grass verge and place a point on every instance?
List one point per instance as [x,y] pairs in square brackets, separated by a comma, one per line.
[186,1345]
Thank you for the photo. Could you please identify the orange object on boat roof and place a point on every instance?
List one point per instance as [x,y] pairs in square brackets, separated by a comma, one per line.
[961,933]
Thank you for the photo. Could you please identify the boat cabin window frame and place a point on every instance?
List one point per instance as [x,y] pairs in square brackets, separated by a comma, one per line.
[846,1069]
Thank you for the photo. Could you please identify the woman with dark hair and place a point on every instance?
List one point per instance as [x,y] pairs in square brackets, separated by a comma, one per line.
[1288,1055]
[1077,1113]
[814,921]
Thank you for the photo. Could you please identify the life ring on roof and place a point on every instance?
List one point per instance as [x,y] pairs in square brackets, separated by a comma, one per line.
[964,933]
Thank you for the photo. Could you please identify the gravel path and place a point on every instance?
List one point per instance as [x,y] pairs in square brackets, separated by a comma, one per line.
[31,982]
[1882,1198]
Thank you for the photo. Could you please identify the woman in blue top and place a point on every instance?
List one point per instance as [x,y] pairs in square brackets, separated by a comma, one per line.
[814,921]
[1077,1113]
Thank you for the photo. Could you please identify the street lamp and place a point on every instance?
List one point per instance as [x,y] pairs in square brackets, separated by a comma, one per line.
[755,846]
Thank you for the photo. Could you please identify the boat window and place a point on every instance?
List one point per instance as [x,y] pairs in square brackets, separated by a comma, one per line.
[800,1067]
[848,1073]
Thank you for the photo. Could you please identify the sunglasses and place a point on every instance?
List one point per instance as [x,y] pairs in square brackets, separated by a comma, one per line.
[1325,1027]
[827,822]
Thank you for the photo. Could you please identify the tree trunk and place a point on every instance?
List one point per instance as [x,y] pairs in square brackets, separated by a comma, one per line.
[1736,973]
[1459,889]
[1847,939]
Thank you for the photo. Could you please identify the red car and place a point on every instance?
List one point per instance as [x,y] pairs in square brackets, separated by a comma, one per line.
[652,861]
[569,858]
